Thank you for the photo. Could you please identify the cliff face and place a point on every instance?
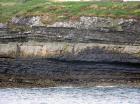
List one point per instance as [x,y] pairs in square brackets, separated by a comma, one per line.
[102,44]
[72,51]
[64,39]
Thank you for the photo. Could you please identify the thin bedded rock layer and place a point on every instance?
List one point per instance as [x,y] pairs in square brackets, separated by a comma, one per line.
[88,52]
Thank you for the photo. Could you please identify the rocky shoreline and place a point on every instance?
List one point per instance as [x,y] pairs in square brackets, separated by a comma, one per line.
[88,52]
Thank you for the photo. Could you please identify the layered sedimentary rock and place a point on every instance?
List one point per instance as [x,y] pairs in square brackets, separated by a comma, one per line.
[71,51]
[90,50]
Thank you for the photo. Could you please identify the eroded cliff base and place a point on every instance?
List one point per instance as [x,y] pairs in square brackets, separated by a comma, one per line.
[50,73]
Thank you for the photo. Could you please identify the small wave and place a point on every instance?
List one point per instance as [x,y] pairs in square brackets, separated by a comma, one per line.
[106,86]
[65,87]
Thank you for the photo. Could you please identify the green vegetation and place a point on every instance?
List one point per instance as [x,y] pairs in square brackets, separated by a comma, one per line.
[55,11]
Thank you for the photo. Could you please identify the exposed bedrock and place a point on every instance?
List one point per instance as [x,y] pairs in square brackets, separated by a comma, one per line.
[84,30]
[84,22]
[90,50]
[72,51]
[102,24]
[46,72]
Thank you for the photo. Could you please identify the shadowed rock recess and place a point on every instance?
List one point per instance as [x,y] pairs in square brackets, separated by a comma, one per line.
[88,52]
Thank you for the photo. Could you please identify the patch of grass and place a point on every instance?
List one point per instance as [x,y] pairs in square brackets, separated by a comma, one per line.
[67,10]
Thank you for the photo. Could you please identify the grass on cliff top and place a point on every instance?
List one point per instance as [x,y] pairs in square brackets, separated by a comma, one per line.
[59,11]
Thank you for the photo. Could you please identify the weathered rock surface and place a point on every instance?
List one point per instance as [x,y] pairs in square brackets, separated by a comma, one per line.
[44,72]
[85,30]
[60,34]
[102,24]
[90,51]
[27,21]
[72,51]
[3,26]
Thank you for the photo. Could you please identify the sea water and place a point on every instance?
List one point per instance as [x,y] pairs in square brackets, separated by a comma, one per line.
[70,95]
